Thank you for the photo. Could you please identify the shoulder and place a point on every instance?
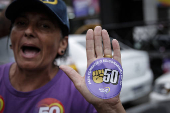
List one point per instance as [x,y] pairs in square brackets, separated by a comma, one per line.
[4,68]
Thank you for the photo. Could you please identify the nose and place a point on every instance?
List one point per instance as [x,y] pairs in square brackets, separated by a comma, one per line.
[29,32]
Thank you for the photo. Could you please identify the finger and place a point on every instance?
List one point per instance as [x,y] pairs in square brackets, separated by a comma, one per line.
[98,42]
[116,49]
[106,43]
[90,45]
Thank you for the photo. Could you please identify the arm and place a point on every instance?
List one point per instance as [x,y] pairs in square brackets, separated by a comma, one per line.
[117,108]
[94,51]
[4,24]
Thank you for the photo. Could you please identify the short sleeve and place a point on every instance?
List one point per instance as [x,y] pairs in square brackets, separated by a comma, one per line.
[1,72]
[4,69]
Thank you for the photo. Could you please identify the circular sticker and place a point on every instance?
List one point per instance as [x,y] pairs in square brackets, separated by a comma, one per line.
[49,105]
[2,104]
[104,78]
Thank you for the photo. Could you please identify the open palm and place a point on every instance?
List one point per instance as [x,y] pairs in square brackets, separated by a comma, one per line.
[95,50]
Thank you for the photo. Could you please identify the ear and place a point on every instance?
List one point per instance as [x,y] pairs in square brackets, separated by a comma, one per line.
[63,45]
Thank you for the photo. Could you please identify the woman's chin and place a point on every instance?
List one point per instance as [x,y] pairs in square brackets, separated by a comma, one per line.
[28,65]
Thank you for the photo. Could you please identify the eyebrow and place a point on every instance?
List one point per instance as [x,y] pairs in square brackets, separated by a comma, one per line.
[42,18]
[21,15]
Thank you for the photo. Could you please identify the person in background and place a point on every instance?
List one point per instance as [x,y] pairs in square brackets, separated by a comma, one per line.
[4,24]
[33,84]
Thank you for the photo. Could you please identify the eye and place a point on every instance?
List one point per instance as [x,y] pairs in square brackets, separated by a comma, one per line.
[21,23]
[45,26]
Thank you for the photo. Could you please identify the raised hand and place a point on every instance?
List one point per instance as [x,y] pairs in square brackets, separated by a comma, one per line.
[95,51]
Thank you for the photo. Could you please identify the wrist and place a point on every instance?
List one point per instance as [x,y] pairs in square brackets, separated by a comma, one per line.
[115,107]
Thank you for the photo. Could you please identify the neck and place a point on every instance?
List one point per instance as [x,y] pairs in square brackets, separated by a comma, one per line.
[28,80]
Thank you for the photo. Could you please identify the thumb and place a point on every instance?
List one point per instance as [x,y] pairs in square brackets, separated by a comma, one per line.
[78,81]
[71,73]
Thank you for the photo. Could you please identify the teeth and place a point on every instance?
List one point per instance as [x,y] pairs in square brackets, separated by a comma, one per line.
[30,53]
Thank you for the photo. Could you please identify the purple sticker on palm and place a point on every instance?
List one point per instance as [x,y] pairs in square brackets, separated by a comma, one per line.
[104,78]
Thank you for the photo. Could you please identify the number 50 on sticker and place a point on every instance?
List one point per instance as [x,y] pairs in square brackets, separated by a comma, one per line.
[106,75]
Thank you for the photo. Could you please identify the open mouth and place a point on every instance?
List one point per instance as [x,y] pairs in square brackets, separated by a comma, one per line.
[30,51]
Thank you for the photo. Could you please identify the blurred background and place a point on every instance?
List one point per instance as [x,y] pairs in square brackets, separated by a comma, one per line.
[142,28]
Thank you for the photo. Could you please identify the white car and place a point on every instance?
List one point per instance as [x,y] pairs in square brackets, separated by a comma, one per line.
[161,90]
[137,75]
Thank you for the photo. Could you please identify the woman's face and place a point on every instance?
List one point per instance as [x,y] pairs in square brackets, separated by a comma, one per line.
[36,39]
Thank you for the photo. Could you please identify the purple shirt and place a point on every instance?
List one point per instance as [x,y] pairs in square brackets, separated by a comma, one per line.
[57,96]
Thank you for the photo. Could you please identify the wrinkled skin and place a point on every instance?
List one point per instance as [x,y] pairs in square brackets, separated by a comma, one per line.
[34,69]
